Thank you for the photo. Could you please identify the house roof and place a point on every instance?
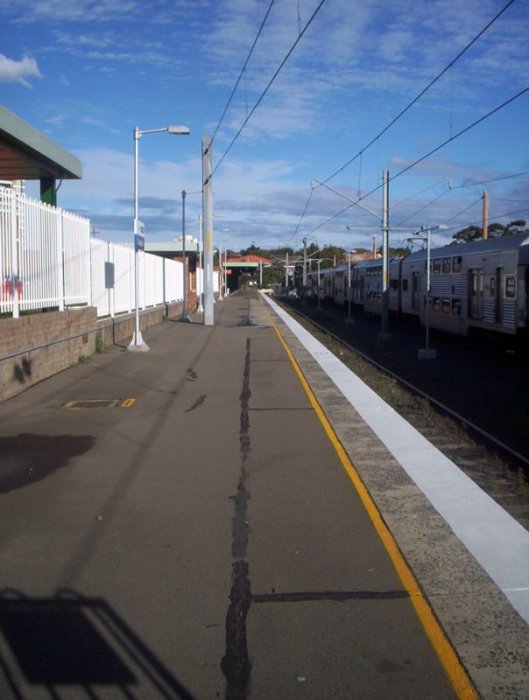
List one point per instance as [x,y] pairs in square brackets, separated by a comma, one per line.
[255,259]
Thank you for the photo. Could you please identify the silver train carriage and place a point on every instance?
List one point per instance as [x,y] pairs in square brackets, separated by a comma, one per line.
[483,284]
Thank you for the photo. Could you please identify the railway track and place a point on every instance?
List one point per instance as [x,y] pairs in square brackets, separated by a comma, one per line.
[499,468]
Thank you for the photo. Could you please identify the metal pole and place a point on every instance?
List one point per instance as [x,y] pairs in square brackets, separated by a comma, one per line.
[428,283]
[286,274]
[304,263]
[207,218]
[226,291]
[200,276]
[137,342]
[220,271]
[185,314]
[349,320]
[427,353]
[384,333]
[319,301]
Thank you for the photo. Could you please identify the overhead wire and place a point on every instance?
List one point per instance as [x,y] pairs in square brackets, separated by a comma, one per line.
[242,71]
[430,153]
[423,92]
[271,81]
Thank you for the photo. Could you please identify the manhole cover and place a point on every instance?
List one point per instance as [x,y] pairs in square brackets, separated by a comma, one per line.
[93,403]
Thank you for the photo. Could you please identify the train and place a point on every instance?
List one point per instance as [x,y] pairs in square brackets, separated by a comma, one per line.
[481,285]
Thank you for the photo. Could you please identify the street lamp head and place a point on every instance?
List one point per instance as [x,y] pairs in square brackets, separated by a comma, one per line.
[178,130]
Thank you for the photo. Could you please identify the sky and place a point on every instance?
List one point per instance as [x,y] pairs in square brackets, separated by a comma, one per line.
[86,72]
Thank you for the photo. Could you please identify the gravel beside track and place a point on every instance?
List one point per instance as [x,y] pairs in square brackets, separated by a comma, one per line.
[483,381]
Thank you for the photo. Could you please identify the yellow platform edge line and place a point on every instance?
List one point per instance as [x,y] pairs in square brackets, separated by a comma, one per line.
[127,403]
[456,672]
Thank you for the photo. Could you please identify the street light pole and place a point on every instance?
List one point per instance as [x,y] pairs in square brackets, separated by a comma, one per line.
[428,353]
[137,343]
[185,311]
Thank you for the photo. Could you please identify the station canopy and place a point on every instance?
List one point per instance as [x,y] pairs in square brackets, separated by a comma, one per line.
[26,154]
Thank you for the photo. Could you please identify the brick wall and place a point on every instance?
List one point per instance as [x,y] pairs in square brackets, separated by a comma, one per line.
[42,331]
[60,338]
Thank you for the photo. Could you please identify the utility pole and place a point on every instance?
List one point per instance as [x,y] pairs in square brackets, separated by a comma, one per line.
[304,263]
[485,199]
[207,218]
[286,274]
[384,333]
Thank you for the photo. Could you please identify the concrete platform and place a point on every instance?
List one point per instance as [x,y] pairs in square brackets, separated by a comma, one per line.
[203,537]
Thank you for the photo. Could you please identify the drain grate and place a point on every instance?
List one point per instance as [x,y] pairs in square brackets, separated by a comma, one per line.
[93,403]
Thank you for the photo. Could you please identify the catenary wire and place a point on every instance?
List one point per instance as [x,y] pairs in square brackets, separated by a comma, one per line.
[423,92]
[430,153]
[242,71]
[263,94]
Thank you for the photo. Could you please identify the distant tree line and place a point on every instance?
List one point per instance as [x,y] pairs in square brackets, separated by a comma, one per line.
[471,233]
[330,255]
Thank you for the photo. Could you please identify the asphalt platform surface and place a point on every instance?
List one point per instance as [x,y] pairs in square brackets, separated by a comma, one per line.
[185,529]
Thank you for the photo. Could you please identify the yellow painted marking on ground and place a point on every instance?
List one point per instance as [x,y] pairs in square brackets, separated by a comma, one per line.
[463,686]
[127,403]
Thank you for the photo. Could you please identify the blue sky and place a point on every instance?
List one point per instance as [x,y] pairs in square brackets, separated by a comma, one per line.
[87,72]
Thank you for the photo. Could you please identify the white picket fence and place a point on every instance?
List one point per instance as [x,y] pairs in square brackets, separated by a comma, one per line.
[49,260]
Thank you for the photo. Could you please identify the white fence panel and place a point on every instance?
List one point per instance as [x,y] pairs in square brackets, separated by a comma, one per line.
[160,280]
[174,280]
[43,255]
[76,247]
[48,259]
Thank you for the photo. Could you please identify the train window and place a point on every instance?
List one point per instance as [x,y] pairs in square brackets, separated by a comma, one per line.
[437,265]
[456,307]
[446,305]
[447,264]
[436,304]
[510,287]
[457,264]
[394,284]
[405,284]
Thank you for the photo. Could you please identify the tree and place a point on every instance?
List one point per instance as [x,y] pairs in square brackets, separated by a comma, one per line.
[470,233]
[516,226]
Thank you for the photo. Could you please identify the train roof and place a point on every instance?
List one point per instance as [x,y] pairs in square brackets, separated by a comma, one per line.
[518,242]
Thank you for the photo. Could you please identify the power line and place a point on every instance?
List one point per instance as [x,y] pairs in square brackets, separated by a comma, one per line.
[430,153]
[263,94]
[303,213]
[494,179]
[410,105]
[242,71]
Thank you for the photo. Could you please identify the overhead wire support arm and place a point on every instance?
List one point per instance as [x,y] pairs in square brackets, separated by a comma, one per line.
[430,153]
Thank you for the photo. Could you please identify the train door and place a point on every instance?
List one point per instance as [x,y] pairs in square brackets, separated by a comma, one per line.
[497,292]
[475,279]
[416,290]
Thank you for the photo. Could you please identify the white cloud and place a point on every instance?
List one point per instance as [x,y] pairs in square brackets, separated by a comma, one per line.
[12,71]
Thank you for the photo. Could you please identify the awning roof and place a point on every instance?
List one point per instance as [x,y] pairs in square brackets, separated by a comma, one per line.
[26,154]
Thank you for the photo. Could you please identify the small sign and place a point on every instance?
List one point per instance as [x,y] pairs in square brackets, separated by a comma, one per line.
[139,241]
[109,275]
